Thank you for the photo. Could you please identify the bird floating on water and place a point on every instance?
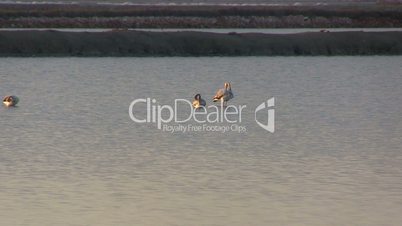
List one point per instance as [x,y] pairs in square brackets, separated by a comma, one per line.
[198,102]
[10,101]
[224,94]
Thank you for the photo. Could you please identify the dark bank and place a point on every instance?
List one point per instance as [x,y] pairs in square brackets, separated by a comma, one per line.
[188,43]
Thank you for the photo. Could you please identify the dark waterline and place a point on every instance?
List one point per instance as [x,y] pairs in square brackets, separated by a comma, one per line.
[188,43]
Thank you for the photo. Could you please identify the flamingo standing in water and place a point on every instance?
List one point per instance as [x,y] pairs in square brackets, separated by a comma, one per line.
[224,94]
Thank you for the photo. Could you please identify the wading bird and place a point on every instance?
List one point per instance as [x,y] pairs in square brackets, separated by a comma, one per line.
[224,94]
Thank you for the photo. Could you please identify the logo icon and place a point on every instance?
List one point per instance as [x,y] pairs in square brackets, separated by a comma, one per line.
[270,126]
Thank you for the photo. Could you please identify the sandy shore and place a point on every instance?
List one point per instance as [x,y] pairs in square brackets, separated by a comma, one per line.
[143,43]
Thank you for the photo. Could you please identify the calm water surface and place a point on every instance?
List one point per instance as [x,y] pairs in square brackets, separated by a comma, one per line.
[70,155]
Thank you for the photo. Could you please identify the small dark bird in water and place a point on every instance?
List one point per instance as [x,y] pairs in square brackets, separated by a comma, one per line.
[10,101]
[198,101]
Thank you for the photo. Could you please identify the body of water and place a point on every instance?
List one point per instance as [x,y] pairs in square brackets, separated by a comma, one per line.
[71,155]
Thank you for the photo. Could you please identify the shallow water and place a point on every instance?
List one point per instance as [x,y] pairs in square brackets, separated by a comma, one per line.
[70,154]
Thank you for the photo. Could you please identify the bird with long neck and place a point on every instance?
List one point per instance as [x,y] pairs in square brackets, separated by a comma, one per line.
[224,94]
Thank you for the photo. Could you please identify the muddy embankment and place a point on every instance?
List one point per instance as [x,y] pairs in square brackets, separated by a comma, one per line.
[198,16]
